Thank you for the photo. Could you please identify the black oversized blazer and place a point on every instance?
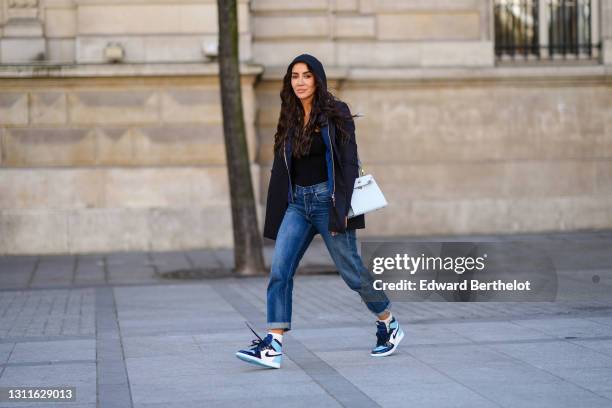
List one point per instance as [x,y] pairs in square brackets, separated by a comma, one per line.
[343,174]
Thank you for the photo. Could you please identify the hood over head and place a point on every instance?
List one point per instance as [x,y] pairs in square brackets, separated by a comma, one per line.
[314,64]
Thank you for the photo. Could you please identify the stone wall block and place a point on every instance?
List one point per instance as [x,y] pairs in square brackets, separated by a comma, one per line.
[367,6]
[108,229]
[457,54]
[60,22]
[191,106]
[355,27]
[114,146]
[13,108]
[379,54]
[282,5]
[179,144]
[166,187]
[49,147]
[276,53]
[290,26]
[48,108]
[51,189]
[266,145]
[190,228]
[18,50]
[149,19]
[606,49]
[106,107]
[345,5]
[1,147]
[429,26]
[603,177]
[423,5]
[33,232]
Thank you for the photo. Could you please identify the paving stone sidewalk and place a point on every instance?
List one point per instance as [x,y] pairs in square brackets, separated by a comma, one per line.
[125,337]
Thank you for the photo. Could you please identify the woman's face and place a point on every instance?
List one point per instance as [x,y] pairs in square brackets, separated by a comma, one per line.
[302,81]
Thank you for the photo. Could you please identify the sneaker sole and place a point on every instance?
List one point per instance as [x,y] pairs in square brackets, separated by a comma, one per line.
[256,361]
[400,336]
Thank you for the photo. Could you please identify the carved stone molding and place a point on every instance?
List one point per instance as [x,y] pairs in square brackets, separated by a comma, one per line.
[21,4]
[19,9]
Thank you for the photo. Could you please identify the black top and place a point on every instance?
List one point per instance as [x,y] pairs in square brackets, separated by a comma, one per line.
[279,196]
[311,168]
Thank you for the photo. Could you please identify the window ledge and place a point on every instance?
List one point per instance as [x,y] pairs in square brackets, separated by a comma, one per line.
[494,74]
[119,70]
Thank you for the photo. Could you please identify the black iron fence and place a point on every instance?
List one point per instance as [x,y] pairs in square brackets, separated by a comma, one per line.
[545,29]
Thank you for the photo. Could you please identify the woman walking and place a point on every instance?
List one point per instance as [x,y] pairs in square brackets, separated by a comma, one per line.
[313,173]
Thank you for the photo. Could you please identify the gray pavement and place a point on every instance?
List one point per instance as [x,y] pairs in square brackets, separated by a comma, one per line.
[112,326]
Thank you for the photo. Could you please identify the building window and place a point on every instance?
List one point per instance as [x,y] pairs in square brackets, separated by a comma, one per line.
[546,30]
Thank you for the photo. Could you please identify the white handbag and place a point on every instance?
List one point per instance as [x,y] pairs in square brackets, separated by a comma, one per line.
[367,196]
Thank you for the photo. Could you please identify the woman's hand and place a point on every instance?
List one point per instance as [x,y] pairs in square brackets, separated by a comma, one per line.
[333,233]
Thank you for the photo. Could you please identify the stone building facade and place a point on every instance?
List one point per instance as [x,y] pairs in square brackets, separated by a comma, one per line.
[111,129]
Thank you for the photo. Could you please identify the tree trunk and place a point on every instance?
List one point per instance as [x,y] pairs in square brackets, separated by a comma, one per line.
[248,243]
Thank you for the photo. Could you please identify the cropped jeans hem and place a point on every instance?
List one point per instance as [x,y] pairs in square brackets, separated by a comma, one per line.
[280,325]
[385,309]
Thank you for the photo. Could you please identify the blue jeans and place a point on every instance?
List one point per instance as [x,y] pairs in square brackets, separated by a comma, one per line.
[304,218]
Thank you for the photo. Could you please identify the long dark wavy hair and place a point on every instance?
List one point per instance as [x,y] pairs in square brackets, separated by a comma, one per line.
[292,116]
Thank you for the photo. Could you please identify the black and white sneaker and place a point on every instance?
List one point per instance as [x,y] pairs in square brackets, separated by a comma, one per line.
[387,340]
[266,352]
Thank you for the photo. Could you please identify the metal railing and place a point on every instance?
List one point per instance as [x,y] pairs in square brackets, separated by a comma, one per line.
[544,30]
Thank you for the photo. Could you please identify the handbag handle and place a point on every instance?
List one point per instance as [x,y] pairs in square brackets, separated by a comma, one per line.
[358,160]
[358,115]
[360,168]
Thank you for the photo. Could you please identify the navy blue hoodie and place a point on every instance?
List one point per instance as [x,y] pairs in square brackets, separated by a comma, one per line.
[342,169]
